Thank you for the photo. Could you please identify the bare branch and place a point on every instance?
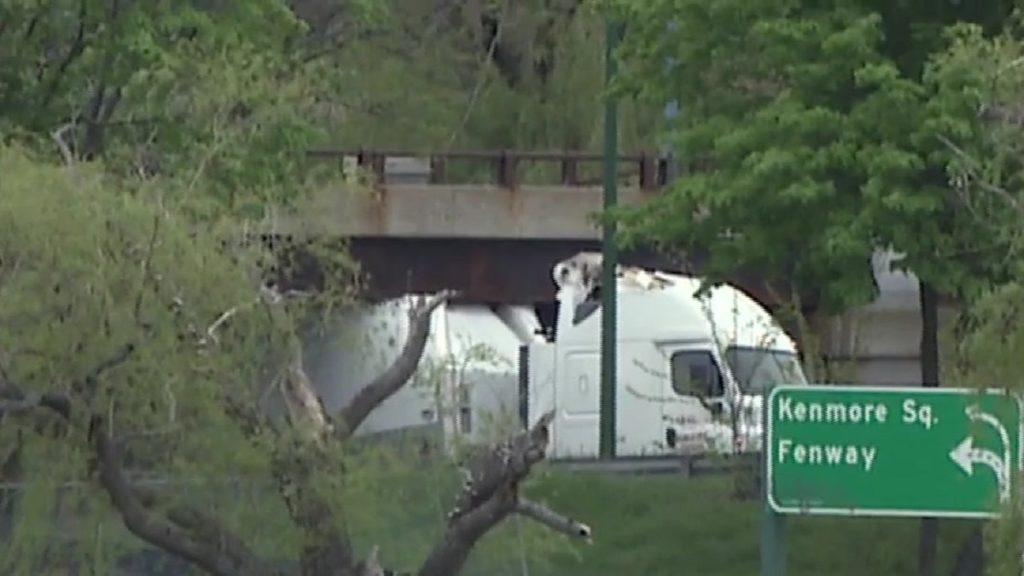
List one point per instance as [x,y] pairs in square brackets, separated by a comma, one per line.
[509,461]
[988,187]
[211,331]
[449,556]
[392,379]
[554,520]
[58,137]
[305,409]
[490,494]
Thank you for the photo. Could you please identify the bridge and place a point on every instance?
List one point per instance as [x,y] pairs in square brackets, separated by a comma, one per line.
[492,223]
[488,223]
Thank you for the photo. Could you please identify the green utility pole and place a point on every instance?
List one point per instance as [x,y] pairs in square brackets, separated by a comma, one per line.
[609,252]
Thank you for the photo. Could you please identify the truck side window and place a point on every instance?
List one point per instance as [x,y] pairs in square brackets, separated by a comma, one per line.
[695,372]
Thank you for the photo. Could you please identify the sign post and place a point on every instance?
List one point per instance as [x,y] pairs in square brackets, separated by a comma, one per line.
[773,524]
[881,451]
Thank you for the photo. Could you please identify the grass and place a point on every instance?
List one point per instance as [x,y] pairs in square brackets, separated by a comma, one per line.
[674,526]
[643,525]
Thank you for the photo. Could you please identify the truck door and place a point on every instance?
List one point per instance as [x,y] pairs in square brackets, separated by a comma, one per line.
[693,426]
[578,405]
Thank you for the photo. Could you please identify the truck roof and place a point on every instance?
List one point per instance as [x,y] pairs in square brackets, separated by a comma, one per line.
[664,306]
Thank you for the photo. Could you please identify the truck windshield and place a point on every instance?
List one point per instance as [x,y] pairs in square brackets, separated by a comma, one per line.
[755,368]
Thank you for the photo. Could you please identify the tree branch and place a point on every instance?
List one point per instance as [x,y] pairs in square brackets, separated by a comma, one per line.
[1002,193]
[492,468]
[185,532]
[305,410]
[327,548]
[490,494]
[62,145]
[101,103]
[392,379]
[212,548]
[554,520]
[207,529]
[450,555]
[14,401]
[87,385]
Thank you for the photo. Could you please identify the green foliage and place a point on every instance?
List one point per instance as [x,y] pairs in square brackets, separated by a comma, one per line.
[779,128]
[179,90]
[986,352]
[87,268]
[812,139]
[178,126]
[979,82]
[125,268]
[818,132]
[435,76]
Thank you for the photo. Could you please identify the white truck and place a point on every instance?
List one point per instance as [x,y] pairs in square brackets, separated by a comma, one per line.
[690,370]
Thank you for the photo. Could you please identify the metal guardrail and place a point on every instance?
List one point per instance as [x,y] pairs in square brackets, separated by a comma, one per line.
[652,169]
[686,466]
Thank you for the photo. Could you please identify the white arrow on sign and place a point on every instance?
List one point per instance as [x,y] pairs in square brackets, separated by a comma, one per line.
[965,455]
[975,414]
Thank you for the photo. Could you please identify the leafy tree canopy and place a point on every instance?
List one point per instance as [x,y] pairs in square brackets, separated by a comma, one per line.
[812,132]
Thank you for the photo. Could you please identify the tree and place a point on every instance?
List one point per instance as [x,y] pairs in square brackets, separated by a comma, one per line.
[156,322]
[177,127]
[815,134]
[494,75]
[981,76]
[156,90]
[766,131]
[138,339]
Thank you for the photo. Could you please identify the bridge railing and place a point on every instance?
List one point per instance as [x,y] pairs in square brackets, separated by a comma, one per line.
[649,169]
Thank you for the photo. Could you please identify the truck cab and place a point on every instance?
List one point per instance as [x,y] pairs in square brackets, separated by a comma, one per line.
[691,369]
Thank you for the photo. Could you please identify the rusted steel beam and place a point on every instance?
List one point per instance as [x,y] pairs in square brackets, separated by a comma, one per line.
[570,172]
[437,169]
[649,173]
[497,271]
[508,169]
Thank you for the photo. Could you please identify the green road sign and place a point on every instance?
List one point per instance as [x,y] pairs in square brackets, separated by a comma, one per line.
[854,450]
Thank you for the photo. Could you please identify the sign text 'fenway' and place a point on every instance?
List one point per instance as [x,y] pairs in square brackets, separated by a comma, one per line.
[854,450]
